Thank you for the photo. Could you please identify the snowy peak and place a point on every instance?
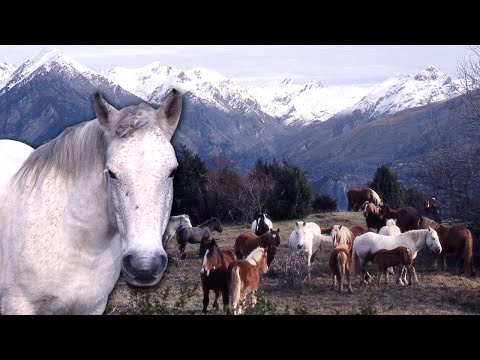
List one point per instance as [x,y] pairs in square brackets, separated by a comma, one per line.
[5,70]
[294,103]
[430,73]
[152,81]
[45,61]
[403,92]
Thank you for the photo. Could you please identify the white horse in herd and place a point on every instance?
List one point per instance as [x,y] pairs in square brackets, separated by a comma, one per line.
[307,237]
[366,245]
[92,202]
[390,229]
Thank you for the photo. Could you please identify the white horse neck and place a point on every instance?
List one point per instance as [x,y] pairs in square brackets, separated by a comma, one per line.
[415,239]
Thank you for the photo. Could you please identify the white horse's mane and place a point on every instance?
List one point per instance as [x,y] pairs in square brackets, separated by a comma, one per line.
[75,150]
[256,254]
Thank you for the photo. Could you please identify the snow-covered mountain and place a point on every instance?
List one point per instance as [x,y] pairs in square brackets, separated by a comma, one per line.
[44,62]
[403,92]
[5,70]
[294,103]
[151,82]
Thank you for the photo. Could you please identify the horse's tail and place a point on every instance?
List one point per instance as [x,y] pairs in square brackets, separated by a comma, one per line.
[355,263]
[235,286]
[468,253]
[342,259]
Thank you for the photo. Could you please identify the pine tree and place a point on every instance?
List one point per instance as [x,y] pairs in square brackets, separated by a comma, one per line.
[385,183]
[189,185]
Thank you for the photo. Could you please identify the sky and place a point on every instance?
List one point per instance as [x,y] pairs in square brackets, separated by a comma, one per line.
[260,64]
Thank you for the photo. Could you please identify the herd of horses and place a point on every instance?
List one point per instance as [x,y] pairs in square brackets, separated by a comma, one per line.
[96,201]
[392,238]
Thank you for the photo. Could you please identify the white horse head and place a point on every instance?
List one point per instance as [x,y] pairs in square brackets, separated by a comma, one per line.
[432,241]
[185,220]
[140,163]
[391,222]
[301,232]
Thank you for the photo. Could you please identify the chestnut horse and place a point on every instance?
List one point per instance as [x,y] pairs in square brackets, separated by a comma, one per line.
[214,273]
[243,277]
[407,218]
[341,235]
[455,239]
[340,264]
[247,242]
[356,197]
[401,255]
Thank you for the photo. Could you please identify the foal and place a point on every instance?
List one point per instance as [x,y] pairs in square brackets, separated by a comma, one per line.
[214,273]
[243,277]
[398,256]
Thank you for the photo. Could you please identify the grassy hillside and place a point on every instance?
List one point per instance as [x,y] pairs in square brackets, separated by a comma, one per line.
[180,292]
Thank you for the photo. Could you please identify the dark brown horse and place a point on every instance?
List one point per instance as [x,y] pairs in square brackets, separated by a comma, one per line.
[455,239]
[214,274]
[356,197]
[243,278]
[373,216]
[247,242]
[407,218]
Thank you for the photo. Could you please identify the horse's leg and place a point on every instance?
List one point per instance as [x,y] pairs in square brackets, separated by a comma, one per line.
[309,254]
[254,297]
[413,274]
[181,248]
[405,281]
[215,302]
[206,293]
[349,279]
[334,281]
[459,263]
[225,299]
[391,270]
[401,269]
[444,260]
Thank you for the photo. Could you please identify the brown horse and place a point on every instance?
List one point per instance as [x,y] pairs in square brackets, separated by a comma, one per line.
[243,277]
[247,242]
[455,239]
[358,230]
[373,216]
[341,235]
[214,274]
[398,256]
[340,263]
[356,197]
[407,218]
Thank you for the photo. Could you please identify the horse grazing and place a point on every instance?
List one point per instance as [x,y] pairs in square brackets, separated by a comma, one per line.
[373,216]
[356,197]
[455,239]
[243,278]
[247,242]
[390,229]
[175,223]
[398,256]
[261,224]
[214,273]
[366,245]
[197,235]
[341,235]
[407,218]
[340,264]
[90,203]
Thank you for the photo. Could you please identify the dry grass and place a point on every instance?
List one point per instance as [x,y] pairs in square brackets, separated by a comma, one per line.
[180,292]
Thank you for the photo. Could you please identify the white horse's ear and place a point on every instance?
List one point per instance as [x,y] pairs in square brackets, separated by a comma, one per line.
[107,115]
[169,113]
[430,229]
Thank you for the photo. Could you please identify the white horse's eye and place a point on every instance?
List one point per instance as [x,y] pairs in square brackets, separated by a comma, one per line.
[112,175]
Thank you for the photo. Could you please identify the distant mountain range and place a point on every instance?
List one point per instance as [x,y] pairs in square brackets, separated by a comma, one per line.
[340,133]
